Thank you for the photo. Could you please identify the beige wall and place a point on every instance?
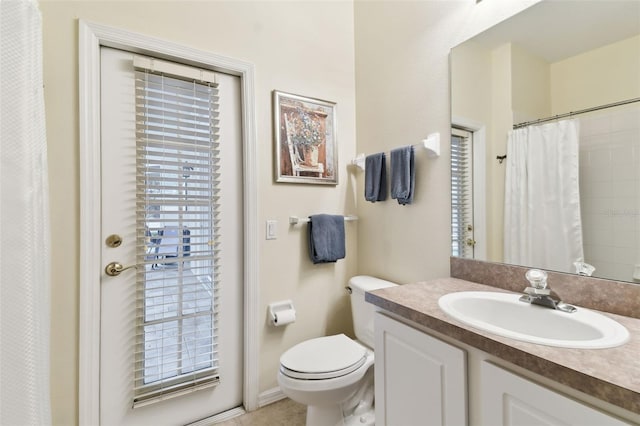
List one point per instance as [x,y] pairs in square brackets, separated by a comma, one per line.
[501,122]
[590,79]
[471,69]
[530,85]
[305,48]
[401,54]
[402,82]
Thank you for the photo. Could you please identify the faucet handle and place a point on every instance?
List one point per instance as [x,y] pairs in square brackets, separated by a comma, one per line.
[538,291]
[583,268]
[537,279]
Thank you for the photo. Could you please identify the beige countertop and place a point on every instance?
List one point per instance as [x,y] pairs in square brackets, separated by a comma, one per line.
[611,375]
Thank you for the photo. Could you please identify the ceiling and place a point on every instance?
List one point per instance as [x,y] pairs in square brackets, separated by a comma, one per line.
[558,29]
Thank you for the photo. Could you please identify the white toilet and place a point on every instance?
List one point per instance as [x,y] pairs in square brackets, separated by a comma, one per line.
[333,375]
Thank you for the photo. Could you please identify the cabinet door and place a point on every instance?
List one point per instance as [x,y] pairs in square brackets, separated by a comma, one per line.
[510,400]
[419,380]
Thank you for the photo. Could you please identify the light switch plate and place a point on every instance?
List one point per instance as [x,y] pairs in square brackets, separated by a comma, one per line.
[272,229]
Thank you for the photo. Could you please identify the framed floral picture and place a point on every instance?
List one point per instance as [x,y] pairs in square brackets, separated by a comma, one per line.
[305,139]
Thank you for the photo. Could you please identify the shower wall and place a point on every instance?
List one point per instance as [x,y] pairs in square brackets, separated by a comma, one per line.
[610,190]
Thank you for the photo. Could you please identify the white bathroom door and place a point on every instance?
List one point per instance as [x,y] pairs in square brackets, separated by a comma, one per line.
[146,328]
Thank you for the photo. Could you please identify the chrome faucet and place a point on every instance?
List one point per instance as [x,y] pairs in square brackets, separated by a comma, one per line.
[539,294]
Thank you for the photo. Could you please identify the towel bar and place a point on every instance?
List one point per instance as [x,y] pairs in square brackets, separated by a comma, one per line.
[431,144]
[294,220]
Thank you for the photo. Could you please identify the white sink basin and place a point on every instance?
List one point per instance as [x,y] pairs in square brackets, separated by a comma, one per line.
[505,315]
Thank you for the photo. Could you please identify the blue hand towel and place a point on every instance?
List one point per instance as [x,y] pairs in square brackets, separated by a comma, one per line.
[326,238]
[375,177]
[403,174]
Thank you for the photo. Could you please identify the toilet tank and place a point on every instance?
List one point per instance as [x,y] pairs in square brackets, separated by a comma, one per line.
[361,311]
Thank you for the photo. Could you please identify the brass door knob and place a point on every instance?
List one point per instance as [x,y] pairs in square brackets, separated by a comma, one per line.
[114,269]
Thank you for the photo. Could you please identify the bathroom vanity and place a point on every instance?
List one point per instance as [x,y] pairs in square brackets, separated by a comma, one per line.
[432,369]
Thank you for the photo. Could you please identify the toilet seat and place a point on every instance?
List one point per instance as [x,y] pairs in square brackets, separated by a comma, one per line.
[323,358]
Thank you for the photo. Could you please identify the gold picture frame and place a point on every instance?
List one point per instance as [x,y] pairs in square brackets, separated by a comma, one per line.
[305,139]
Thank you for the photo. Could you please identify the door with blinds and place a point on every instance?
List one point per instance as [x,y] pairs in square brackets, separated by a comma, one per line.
[171,296]
[462,226]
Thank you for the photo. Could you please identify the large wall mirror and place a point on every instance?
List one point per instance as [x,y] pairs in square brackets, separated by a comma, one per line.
[552,59]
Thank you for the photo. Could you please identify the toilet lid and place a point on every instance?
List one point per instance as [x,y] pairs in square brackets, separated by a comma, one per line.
[323,357]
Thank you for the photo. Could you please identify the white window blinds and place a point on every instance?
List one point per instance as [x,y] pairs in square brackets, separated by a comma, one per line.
[176,348]
[461,194]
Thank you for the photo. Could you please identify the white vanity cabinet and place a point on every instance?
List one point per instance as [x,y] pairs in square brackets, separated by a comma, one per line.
[424,380]
[419,380]
[510,400]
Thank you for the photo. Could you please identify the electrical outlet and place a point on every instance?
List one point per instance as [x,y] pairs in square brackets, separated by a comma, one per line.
[272,229]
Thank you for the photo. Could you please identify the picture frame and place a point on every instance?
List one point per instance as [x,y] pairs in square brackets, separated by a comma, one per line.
[305,139]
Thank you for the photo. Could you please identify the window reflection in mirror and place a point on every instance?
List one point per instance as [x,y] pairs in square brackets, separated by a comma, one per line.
[462,228]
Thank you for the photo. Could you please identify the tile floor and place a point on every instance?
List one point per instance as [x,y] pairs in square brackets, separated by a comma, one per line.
[282,413]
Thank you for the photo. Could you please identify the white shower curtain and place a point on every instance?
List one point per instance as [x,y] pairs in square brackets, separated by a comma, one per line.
[24,220]
[542,223]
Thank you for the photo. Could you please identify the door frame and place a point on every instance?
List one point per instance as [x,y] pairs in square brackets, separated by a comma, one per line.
[91,37]
[479,131]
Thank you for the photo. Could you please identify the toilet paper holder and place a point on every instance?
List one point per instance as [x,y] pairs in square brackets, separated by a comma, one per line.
[282,313]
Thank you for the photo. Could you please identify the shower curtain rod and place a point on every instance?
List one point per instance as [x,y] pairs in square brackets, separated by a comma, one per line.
[569,114]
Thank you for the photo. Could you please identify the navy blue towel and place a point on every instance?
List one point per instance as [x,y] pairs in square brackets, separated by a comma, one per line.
[326,238]
[375,177]
[403,175]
